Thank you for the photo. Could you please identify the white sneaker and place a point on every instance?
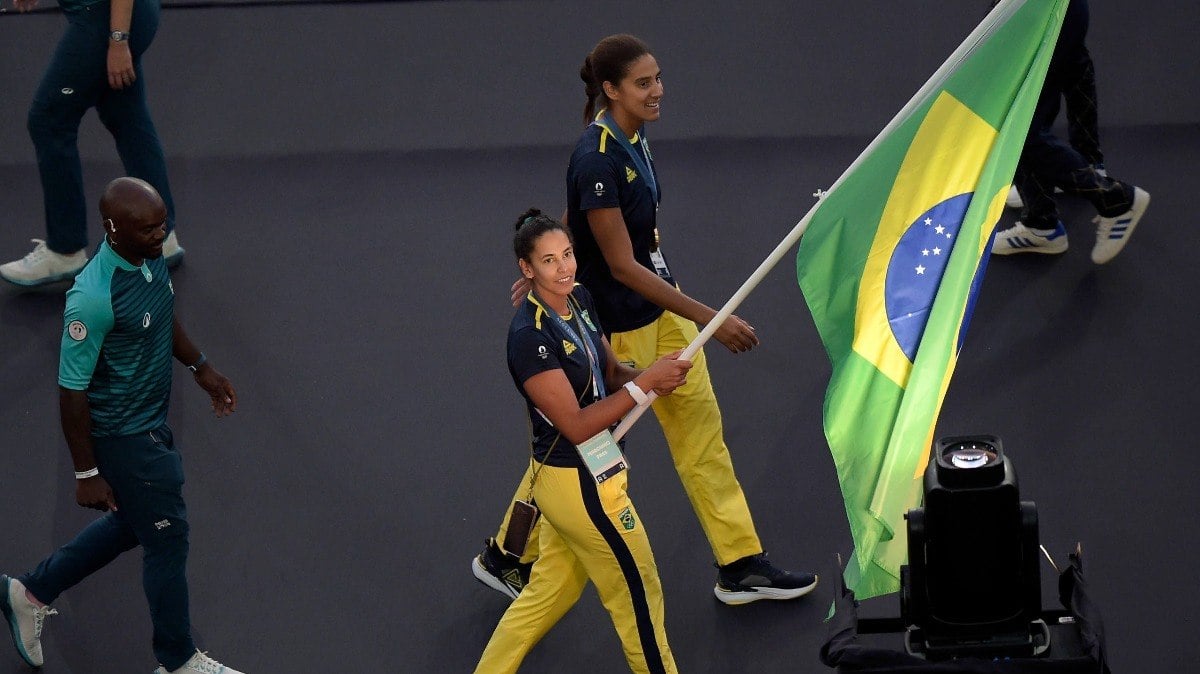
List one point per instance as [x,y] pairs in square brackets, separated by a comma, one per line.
[25,620]
[43,266]
[1013,200]
[199,663]
[172,251]
[1021,239]
[1113,233]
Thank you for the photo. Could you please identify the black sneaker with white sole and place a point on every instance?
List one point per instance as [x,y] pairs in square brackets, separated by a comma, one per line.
[499,570]
[754,577]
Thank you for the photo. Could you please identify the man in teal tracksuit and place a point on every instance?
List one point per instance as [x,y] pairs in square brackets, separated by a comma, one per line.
[119,336]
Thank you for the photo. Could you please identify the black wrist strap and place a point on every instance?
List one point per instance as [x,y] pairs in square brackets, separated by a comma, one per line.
[196,365]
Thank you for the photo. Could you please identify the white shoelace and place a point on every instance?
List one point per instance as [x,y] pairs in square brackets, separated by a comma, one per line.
[200,662]
[39,252]
[39,619]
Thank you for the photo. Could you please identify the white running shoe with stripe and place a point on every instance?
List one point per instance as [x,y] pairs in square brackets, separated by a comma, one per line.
[1021,239]
[1113,233]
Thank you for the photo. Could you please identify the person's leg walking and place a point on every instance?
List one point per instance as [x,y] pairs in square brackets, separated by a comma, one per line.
[91,550]
[149,491]
[126,114]
[691,422]
[1046,161]
[555,584]
[609,538]
[1045,157]
[1083,119]
[73,82]
[97,545]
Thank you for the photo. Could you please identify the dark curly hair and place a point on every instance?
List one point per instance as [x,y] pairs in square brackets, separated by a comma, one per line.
[531,225]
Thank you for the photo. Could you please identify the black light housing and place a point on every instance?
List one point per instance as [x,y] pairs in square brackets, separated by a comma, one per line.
[972,586]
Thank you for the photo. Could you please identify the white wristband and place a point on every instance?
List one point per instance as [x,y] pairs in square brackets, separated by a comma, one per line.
[86,474]
[639,396]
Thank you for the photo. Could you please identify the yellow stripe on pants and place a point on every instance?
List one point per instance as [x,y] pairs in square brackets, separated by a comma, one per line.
[588,531]
[691,422]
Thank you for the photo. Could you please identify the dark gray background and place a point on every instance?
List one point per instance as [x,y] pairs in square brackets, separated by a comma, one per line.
[346,176]
[462,74]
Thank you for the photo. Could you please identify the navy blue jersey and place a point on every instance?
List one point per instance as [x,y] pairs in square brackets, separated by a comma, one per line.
[537,344]
[603,175]
[118,330]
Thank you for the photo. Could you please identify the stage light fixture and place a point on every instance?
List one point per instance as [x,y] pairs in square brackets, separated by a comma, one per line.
[972,586]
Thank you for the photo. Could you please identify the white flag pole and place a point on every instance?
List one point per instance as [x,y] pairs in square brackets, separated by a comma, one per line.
[727,310]
[997,17]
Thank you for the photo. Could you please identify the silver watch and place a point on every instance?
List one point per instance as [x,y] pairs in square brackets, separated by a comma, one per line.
[118,36]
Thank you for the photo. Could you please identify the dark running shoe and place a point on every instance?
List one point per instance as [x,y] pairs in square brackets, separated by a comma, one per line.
[754,577]
[499,570]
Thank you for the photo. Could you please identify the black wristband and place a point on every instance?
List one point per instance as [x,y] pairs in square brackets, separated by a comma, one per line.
[196,365]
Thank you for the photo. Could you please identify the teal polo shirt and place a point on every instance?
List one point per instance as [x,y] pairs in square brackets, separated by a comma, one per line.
[117,342]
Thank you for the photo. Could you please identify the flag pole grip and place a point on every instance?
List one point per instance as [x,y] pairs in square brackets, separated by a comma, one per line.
[726,311]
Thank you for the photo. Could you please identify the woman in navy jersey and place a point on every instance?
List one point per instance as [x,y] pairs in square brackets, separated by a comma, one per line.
[575,390]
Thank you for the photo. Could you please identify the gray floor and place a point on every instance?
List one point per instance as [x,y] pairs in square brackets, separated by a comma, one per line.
[359,304]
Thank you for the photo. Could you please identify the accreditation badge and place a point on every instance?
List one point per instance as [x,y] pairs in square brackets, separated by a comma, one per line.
[602,456]
[660,264]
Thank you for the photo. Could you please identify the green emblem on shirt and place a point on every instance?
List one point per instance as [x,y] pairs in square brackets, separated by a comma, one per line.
[627,519]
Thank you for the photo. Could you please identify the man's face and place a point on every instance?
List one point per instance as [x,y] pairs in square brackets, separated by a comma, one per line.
[143,232]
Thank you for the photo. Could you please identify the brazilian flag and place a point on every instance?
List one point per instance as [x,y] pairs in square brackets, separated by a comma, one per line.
[892,259]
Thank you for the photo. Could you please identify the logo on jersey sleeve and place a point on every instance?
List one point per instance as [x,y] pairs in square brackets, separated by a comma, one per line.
[542,353]
[568,347]
[599,189]
[77,330]
[630,175]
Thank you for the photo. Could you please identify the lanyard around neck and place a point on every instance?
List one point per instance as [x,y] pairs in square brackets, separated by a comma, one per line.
[605,121]
[585,342]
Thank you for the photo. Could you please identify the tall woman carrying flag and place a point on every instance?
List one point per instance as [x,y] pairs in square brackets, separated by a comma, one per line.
[612,203]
